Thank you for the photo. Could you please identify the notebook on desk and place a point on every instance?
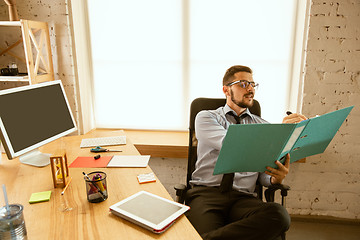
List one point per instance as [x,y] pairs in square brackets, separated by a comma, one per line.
[149,211]
[129,161]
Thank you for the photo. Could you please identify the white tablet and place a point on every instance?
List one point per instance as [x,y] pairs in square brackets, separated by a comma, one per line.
[149,211]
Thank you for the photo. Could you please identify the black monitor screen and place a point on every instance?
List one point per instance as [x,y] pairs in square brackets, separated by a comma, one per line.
[36,114]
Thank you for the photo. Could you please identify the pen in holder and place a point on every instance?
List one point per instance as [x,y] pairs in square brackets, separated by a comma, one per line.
[96,188]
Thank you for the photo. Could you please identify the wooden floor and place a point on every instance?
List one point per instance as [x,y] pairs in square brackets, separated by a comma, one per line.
[312,230]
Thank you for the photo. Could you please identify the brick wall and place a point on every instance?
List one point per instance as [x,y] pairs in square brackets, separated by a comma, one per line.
[329,184]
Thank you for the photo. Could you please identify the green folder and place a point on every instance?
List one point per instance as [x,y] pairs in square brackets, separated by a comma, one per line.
[253,147]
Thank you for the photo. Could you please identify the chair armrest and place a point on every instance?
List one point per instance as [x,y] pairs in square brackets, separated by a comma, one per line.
[270,192]
[180,192]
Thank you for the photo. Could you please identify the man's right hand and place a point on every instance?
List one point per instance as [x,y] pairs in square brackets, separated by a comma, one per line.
[294,118]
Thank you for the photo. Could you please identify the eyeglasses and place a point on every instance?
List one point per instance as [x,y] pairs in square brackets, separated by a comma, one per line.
[244,84]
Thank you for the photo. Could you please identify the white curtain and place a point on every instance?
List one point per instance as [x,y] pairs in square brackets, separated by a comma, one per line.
[152,58]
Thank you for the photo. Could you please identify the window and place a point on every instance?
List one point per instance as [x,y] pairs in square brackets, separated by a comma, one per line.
[152,58]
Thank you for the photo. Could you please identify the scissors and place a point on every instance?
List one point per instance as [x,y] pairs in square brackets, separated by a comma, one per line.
[100,149]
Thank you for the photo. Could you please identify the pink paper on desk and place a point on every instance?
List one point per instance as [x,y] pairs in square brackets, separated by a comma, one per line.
[90,162]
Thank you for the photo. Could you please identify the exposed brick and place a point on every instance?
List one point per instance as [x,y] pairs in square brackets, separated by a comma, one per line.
[323,10]
[337,77]
[315,58]
[348,9]
[327,21]
[351,45]
[332,78]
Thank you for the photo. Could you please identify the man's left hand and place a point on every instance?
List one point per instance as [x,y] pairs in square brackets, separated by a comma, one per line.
[278,175]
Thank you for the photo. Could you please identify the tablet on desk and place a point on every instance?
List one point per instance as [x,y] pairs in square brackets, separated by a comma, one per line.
[150,211]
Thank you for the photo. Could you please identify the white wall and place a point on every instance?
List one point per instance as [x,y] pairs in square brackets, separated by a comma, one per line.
[329,184]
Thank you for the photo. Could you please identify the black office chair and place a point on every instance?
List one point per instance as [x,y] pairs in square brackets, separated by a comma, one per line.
[198,105]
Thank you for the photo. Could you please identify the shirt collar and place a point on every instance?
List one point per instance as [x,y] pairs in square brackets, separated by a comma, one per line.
[228,109]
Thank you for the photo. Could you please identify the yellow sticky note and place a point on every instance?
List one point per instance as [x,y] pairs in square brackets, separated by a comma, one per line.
[40,197]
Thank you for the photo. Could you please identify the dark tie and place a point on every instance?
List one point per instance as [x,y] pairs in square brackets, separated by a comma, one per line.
[228,178]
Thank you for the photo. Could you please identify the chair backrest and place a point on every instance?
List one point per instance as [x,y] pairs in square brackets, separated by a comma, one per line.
[196,106]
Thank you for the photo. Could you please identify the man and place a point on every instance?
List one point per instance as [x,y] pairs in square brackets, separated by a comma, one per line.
[233,212]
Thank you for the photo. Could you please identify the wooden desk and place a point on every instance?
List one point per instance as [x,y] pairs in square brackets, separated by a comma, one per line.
[168,144]
[85,220]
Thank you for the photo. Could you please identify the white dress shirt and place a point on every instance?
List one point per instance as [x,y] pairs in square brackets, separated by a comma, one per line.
[210,130]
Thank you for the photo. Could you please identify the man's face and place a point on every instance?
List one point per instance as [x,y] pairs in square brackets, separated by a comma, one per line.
[242,97]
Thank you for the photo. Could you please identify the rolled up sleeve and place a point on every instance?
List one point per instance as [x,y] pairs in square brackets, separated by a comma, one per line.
[264,179]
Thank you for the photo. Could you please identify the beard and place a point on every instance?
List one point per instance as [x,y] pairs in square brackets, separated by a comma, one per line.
[242,103]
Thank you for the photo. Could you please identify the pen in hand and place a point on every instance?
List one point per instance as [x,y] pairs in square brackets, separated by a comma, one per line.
[299,117]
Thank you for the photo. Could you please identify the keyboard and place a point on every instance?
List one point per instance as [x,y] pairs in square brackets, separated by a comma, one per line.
[103,141]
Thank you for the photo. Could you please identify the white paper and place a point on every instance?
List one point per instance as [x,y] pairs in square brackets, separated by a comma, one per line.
[293,139]
[129,161]
[146,177]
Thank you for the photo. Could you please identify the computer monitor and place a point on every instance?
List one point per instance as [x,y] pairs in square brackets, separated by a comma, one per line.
[32,116]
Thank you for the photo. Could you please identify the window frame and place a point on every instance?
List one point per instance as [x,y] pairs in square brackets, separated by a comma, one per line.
[79,19]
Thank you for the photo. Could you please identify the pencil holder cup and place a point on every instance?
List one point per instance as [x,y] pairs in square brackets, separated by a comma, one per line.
[96,187]
[12,223]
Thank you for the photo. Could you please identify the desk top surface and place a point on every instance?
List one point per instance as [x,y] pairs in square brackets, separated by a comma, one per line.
[47,220]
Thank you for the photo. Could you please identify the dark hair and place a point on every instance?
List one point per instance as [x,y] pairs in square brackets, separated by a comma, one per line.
[229,74]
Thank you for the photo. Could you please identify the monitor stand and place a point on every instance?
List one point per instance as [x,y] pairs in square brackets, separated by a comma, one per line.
[35,158]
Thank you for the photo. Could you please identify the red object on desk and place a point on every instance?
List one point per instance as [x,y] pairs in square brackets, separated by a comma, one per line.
[90,162]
